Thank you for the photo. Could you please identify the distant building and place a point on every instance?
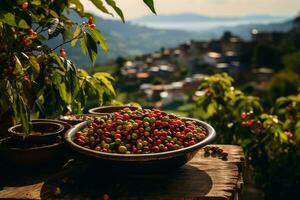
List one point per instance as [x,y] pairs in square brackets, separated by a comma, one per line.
[161,70]
[231,68]
[261,37]
[232,44]
[212,58]
[263,74]
[264,37]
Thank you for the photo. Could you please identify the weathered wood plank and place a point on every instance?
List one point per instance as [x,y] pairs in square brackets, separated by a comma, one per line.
[202,178]
[22,192]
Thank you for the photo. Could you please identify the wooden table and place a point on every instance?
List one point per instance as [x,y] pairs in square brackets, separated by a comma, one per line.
[202,178]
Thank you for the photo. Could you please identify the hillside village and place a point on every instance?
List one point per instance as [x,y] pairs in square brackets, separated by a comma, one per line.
[171,75]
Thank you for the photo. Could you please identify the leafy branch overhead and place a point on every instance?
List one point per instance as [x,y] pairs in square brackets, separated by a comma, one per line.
[112,3]
[35,78]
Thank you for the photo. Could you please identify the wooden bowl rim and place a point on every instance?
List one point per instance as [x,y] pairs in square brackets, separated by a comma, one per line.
[61,117]
[69,135]
[19,134]
[94,112]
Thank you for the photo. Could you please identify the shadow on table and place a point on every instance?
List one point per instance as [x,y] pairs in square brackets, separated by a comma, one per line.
[14,176]
[92,182]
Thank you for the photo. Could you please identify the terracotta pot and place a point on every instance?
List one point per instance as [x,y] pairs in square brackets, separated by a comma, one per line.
[104,110]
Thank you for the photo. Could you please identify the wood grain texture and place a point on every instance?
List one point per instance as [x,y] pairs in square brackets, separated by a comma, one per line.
[202,178]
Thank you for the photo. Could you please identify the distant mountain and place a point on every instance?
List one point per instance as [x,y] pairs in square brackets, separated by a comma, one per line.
[244,31]
[127,39]
[201,23]
[189,17]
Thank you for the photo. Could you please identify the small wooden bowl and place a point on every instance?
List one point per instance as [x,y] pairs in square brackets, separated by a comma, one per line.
[41,131]
[65,124]
[19,153]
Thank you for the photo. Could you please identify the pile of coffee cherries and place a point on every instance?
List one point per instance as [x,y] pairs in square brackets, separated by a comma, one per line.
[140,132]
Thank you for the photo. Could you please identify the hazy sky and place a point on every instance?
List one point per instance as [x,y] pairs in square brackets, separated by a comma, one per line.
[135,8]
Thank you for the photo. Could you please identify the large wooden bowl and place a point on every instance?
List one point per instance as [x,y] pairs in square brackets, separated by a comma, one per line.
[141,162]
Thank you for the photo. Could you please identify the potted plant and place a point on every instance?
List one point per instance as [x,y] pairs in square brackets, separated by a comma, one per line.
[38,80]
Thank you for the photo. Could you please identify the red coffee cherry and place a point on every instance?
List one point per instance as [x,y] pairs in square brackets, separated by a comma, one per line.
[105,197]
[63,53]
[31,32]
[250,123]
[244,115]
[92,26]
[91,20]
[289,135]
[26,42]
[24,5]
[244,124]
[250,113]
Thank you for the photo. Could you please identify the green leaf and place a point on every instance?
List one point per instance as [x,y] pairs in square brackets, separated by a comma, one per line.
[7,96]
[21,23]
[35,2]
[64,94]
[106,75]
[19,2]
[92,48]
[297,131]
[57,78]
[99,4]
[18,67]
[54,14]
[212,108]
[97,35]
[82,73]
[57,59]
[282,137]
[35,66]
[23,113]
[75,36]
[78,7]
[103,77]
[150,4]
[100,93]
[10,19]
[83,43]
[96,87]
[113,4]
[72,80]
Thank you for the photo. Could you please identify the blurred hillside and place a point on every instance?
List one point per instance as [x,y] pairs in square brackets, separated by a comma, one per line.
[128,39]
